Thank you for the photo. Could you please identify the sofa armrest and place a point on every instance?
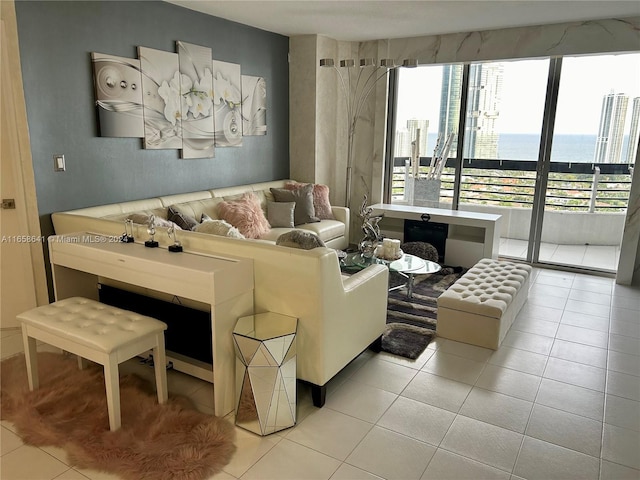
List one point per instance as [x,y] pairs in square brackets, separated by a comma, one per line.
[361,278]
[342,214]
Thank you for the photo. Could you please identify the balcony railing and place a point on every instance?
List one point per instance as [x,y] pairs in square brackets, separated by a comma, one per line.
[582,187]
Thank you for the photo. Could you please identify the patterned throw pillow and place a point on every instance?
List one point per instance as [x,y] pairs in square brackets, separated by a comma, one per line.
[218,227]
[184,221]
[300,239]
[246,215]
[320,194]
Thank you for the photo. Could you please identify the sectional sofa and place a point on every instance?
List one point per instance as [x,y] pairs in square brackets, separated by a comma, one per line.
[338,316]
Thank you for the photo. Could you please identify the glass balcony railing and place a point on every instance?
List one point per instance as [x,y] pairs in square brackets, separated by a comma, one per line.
[579,187]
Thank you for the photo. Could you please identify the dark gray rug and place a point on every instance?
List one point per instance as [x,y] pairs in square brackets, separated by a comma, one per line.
[411,322]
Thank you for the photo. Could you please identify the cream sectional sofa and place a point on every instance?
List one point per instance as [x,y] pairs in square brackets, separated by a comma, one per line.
[339,316]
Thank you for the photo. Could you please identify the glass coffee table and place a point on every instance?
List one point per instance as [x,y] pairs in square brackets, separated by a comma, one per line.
[406,266]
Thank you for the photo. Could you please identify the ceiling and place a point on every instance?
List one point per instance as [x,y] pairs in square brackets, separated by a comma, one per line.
[372,20]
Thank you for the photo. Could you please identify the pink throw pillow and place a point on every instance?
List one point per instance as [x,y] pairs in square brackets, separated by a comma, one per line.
[246,215]
[321,202]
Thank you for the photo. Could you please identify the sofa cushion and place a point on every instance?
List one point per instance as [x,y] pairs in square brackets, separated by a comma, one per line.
[218,227]
[300,239]
[185,222]
[280,214]
[246,215]
[326,229]
[304,211]
[321,202]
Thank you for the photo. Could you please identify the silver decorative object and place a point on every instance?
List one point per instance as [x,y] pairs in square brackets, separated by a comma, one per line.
[265,346]
[151,230]
[370,228]
[177,246]
[127,236]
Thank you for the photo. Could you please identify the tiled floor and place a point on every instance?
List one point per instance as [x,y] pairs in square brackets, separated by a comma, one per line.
[560,399]
[600,257]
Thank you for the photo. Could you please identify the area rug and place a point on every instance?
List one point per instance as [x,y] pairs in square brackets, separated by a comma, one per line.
[411,322]
[69,410]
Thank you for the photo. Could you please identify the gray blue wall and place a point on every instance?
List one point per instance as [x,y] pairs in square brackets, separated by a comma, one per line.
[56,39]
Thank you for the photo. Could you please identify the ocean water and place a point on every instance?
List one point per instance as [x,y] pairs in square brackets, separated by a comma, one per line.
[565,148]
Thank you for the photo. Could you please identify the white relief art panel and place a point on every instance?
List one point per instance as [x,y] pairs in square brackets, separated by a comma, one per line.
[185,100]
[196,93]
[118,94]
[227,103]
[254,105]
[161,98]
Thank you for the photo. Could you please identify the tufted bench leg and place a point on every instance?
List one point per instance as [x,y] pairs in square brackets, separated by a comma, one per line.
[97,332]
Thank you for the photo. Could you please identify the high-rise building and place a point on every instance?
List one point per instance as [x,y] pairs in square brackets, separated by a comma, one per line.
[404,138]
[634,132]
[483,107]
[611,130]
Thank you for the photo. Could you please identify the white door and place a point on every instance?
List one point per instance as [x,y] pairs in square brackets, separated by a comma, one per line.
[22,279]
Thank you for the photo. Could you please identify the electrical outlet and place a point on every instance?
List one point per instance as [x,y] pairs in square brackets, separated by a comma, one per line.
[58,163]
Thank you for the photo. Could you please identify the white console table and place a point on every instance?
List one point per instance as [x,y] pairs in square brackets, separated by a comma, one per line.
[225,284]
[471,235]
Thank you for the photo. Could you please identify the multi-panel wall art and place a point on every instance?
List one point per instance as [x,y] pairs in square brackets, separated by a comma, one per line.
[184,100]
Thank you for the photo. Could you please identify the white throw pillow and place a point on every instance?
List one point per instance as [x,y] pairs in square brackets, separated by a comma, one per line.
[218,227]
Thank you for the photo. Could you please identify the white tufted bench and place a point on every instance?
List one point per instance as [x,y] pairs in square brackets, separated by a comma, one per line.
[101,333]
[480,307]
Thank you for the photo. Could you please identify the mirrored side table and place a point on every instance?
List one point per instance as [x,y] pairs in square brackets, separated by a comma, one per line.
[265,346]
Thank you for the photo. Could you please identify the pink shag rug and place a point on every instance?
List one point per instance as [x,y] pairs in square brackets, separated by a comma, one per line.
[69,410]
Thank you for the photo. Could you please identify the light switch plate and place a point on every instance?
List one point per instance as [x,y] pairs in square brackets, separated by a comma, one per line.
[58,163]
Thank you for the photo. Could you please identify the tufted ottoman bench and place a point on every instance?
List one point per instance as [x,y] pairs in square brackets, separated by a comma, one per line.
[480,307]
[101,333]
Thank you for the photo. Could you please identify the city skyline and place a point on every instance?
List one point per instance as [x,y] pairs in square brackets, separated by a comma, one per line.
[584,81]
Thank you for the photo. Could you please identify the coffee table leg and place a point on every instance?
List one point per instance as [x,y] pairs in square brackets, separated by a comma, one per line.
[410,285]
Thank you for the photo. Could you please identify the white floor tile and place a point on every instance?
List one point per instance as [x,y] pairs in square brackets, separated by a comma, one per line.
[27,462]
[454,367]
[485,443]
[566,429]
[472,352]
[330,432]
[575,373]
[349,472]
[541,289]
[536,326]
[540,460]
[592,322]
[528,341]
[625,315]
[509,382]
[629,303]
[613,471]
[521,360]
[621,445]
[579,306]
[391,455]
[545,300]
[576,352]
[581,335]
[417,420]
[71,474]
[448,466]
[384,375]
[623,385]
[571,398]
[497,409]
[620,343]
[437,391]
[628,329]
[9,441]
[624,363]
[622,412]
[416,364]
[538,311]
[249,449]
[361,401]
[277,464]
[561,281]
[590,297]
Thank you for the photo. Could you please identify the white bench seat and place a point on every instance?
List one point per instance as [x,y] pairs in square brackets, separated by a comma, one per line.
[480,306]
[101,333]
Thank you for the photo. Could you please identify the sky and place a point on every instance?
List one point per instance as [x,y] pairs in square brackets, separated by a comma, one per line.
[584,82]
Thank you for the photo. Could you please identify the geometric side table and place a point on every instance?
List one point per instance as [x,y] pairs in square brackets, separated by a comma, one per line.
[265,345]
